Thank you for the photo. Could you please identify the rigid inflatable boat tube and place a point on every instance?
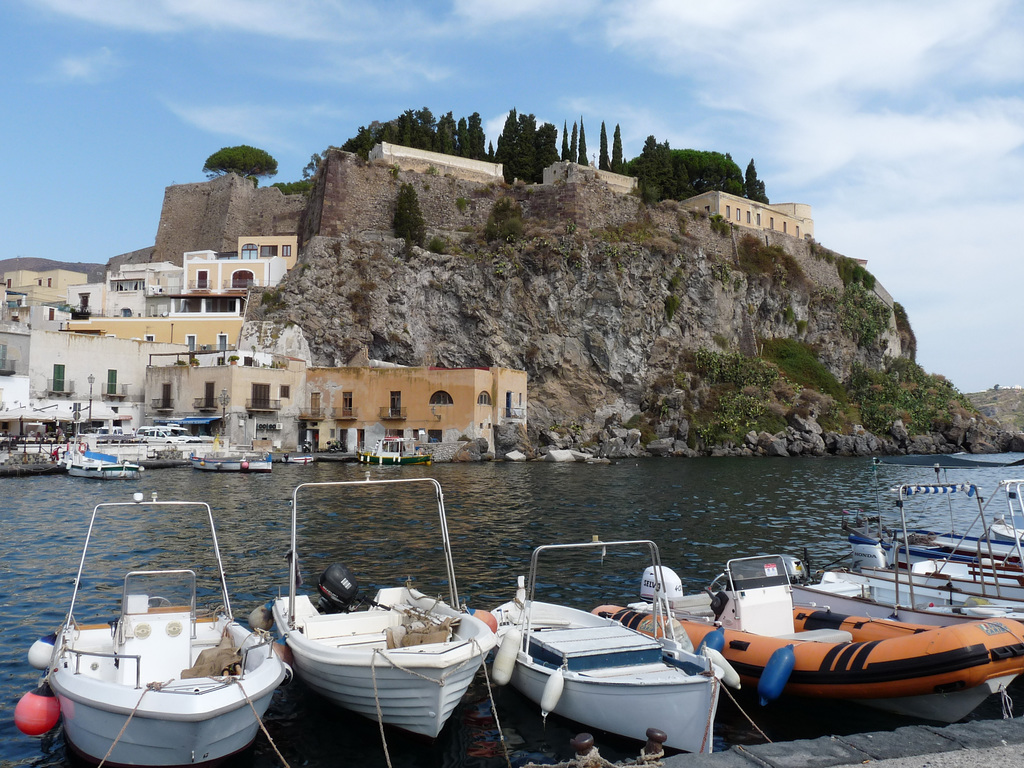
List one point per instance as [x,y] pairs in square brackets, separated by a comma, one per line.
[505,659]
[776,674]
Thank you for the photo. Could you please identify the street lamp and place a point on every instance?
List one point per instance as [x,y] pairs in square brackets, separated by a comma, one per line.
[92,380]
[224,398]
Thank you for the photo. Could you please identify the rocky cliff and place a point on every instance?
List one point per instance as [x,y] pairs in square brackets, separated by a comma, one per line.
[598,297]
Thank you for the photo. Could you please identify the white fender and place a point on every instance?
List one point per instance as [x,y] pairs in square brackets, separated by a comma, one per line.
[505,659]
[40,652]
[552,692]
[729,675]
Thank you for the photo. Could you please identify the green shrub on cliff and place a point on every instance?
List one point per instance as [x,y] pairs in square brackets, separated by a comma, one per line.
[799,364]
[505,222]
[862,314]
[904,391]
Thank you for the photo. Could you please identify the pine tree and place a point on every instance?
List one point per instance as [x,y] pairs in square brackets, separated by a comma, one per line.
[572,145]
[565,142]
[603,164]
[583,145]
[617,150]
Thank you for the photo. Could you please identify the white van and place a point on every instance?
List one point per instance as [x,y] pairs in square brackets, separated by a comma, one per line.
[166,434]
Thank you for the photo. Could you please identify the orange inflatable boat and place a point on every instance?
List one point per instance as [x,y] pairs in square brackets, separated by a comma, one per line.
[933,673]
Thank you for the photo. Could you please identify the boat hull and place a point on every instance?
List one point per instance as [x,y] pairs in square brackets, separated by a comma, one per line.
[385,460]
[213,464]
[117,472]
[414,689]
[182,722]
[932,673]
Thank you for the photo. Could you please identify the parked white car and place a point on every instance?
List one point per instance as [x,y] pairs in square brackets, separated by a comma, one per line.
[166,435]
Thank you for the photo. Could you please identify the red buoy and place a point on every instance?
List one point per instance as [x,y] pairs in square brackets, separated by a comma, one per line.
[245,465]
[37,711]
[486,617]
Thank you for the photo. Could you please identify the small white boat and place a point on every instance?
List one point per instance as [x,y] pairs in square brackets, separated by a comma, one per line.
[233,461]
[597,672]
[298,458]
[81,462]
[406,660]
[165,683]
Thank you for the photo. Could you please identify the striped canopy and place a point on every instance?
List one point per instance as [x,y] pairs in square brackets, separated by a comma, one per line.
[910,490]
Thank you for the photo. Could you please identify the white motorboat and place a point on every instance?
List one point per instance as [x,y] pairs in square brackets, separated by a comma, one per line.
[597,672]
[298,458]
[406,660]
[81,462]
[233,461]
[165,683]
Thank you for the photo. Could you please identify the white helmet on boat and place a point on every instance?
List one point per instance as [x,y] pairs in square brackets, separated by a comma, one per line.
[673,587]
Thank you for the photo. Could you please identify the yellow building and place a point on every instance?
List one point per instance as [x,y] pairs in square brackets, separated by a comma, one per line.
[47,287]
[359,405]
[793,219]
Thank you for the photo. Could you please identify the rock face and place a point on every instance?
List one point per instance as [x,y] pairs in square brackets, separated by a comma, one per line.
[599,298]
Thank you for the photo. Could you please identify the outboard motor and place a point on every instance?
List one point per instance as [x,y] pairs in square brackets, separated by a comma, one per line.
[339,590]
[672,588]
[795,569]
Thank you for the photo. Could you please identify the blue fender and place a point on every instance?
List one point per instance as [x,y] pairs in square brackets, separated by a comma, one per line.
[714,640]
[776,674]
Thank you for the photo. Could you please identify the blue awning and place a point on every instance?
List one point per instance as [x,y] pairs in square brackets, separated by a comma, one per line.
[189,420]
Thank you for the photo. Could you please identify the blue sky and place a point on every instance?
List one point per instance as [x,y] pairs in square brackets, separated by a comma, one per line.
[902,124]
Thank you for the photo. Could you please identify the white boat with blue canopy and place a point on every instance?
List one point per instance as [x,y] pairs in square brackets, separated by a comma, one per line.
[81,462]
[595,671]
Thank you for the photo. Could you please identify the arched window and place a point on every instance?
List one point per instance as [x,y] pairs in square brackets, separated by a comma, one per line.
[243,278]
[484,398]
[441,398]
[249,251]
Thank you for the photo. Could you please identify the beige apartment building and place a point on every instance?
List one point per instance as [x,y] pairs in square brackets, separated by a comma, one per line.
[46,287]
[360,405]
[793,219]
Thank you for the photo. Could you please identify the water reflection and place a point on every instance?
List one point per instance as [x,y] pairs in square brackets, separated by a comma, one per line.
[701,512]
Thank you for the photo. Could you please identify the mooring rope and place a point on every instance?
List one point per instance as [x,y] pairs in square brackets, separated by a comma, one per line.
[494,709]
[742,712]
[260,721]
[149,687]
[376,700]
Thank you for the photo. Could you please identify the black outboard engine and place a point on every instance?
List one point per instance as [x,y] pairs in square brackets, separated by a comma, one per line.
[339,590]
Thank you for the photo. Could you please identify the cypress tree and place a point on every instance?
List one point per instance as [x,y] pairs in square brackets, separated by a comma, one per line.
[507,142]
[572,146]
[524,153]
[546,151]
[477,146]
[583,145]
[603,164]
[462,137]
[565,142]
[617,150]
[408,222]
[753,188]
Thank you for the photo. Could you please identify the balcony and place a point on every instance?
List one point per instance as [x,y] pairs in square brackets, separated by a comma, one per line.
[311,414]
[262,405]
[392,414]
[201,285]
[205,404]
[114,392]
[59,387]
[345,414]
[515,413]
[162,404]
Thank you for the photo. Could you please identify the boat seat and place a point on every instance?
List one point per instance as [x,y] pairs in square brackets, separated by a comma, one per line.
[825,635]
[587,648]
[350,628]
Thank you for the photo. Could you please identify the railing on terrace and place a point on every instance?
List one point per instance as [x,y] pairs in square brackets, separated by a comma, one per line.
[60,386]
[311,414]
[392,414]
[344,413]
[162,404]
[114,391]
[262,405]
[515,413]
[205,404]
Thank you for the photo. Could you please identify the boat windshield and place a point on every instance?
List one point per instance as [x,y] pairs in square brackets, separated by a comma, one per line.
[757,572]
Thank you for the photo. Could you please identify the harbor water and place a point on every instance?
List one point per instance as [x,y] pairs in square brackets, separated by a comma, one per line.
[701,512]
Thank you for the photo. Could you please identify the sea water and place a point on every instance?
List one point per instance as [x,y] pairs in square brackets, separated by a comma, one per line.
[701,513]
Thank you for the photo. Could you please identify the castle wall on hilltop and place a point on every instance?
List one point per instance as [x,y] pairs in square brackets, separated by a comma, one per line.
[422,161]
[212,216]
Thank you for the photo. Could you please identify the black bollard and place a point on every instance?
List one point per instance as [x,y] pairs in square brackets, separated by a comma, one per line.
[583,743]
[655,741]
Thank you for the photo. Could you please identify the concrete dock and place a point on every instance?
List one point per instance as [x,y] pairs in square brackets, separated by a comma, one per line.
[961,745]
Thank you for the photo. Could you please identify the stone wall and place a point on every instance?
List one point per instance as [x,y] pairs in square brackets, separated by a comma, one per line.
[422,161]
[212,216]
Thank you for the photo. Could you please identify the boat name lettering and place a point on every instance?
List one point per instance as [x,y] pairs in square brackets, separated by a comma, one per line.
[992,627]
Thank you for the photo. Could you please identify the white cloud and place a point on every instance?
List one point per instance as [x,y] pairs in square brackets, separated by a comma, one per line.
[89,68]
